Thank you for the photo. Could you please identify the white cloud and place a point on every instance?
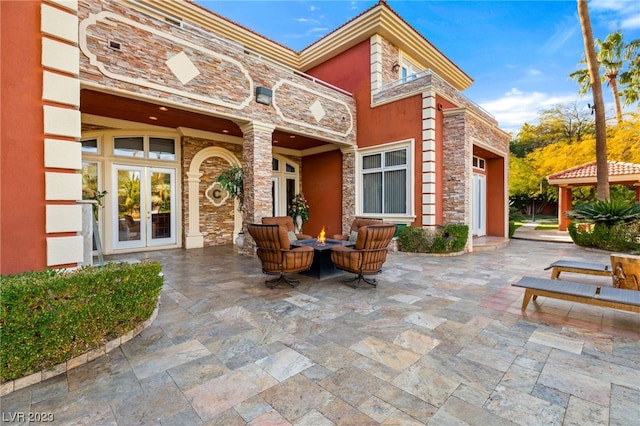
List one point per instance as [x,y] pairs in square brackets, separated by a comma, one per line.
[621,14]
[631,22]
[515,107]
[615,5]
[564,31]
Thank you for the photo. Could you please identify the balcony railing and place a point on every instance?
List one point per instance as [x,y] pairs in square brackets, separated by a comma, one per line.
[418,81]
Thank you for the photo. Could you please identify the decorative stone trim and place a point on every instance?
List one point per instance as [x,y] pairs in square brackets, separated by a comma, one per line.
[17,384]
[60,63]
[428,172]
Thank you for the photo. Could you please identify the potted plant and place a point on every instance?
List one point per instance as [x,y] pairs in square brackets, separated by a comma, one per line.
[231,181]
[299,211]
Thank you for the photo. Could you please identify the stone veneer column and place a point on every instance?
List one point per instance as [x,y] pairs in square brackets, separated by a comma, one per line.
[62,152]
[257,156]
[456,206]
[348,187]
[429,159]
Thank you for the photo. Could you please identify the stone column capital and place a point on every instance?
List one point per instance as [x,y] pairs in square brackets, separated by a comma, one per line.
[254,126]
[350,149]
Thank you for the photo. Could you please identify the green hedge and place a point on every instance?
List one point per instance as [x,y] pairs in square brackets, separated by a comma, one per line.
[49,317]
[621,237]
[443,239]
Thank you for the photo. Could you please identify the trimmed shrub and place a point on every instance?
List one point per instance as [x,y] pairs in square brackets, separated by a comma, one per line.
[50,317]
[515,215]
[450,238]
[512,228]
[621,237]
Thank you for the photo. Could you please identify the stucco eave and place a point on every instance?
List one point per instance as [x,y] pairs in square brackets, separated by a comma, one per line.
[381,20]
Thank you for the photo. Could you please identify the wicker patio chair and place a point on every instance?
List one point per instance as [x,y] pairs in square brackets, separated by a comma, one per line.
[368,255]
[276,254]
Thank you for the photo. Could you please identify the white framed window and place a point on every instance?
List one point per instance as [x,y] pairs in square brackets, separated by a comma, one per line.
[408,69]
[478,163]
[386,184]
[91,146]
[149,147]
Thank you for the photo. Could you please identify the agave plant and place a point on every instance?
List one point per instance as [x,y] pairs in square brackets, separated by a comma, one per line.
[608,212]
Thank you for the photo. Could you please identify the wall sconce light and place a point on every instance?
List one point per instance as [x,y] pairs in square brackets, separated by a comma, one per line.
[440,106]
[395,67]
[263,95]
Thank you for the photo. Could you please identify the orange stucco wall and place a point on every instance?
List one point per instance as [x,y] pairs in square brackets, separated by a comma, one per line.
[387,123]
[322,184]
[495,197]
[22,206]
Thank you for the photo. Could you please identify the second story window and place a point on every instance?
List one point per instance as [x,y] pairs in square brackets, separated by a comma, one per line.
[408,71]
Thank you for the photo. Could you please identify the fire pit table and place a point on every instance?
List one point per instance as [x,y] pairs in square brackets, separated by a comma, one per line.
[322,266]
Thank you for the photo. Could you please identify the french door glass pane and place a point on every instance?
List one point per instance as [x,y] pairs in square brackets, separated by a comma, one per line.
[89,180]
[372,193]
[129,205]
[90,188]
[161,205]
[291,193]
[395,194]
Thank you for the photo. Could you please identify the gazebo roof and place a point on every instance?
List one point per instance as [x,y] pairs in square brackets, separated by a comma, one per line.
[586,174]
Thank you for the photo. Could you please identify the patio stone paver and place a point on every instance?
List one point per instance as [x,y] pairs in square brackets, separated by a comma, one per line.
[441,340]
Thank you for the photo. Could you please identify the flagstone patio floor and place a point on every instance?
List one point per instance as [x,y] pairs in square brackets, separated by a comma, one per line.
[440,341]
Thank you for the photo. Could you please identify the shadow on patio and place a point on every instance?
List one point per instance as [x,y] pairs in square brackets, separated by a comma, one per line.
[440,340]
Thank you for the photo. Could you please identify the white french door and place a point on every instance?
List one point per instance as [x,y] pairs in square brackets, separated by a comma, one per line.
[479,201]
[275,197]
[144,206]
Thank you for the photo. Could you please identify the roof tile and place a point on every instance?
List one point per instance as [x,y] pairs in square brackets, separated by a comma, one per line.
[616,168]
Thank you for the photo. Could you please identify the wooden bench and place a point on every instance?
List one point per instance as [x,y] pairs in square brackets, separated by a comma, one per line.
[609,297]
[578,268]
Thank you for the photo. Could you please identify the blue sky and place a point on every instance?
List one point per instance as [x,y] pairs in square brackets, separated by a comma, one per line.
[519,53]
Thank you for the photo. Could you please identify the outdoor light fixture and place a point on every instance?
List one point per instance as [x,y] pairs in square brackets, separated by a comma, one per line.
[263,95]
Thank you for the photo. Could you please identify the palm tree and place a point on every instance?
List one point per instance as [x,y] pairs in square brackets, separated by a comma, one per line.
[630,79]
[611,56]
[593,65]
